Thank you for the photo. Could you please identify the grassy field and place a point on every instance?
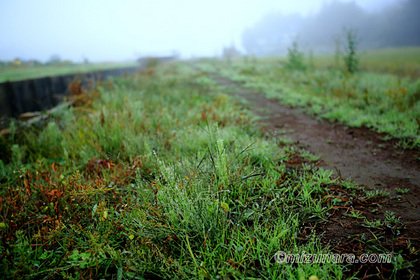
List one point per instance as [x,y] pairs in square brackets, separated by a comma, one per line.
[383,102]
[162,175]
[23,72]
[403,62]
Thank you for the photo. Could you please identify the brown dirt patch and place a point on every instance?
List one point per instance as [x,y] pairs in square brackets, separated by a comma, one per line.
[363,156]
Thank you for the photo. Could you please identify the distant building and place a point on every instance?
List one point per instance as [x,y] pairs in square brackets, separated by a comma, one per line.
[230,52]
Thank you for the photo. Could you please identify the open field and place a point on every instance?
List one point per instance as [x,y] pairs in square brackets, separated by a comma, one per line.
[23,72]
[399,61]
[403,62]
[164,175]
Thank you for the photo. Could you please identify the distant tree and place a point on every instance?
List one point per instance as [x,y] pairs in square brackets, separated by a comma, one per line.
[400,25]
[35,62]
[396,25]
[271,35]
[319,28]
[54,59]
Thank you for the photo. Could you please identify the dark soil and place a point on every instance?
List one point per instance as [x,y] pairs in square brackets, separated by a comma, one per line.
[363,156]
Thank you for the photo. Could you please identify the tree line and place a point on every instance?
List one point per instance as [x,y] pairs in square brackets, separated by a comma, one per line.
[395,26]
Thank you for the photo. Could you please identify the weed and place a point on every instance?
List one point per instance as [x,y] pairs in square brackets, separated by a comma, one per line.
[151,63]
[350,57]
[378,193]
[295,57]
[355,214]
[402,191]
[18,154]
[374,223]
[391,218]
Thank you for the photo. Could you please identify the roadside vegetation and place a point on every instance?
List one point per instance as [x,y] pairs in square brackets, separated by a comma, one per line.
[386,103]
[162,175]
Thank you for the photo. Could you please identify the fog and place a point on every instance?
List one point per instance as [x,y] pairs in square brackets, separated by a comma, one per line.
[394,25]
[111,30]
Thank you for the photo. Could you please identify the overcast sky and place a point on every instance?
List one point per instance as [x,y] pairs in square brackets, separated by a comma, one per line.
[111,30]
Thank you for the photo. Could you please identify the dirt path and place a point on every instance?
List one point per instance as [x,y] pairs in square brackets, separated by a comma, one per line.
[356,153]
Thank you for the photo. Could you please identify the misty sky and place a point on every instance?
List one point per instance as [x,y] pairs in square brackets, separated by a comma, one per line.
[110,30]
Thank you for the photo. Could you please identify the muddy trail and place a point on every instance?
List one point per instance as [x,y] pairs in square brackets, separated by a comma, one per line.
[359,154]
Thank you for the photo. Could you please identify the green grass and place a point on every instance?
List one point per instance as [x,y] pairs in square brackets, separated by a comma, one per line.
[383,102]
[23,72]
[164,176]
[404,62]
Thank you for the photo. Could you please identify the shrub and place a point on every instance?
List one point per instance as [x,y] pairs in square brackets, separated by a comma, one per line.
[295,57]
[350,57]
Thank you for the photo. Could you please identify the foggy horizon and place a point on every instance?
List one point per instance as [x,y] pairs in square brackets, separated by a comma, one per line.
[125,30]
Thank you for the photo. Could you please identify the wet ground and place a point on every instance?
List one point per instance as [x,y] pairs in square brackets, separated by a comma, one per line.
[356,153]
